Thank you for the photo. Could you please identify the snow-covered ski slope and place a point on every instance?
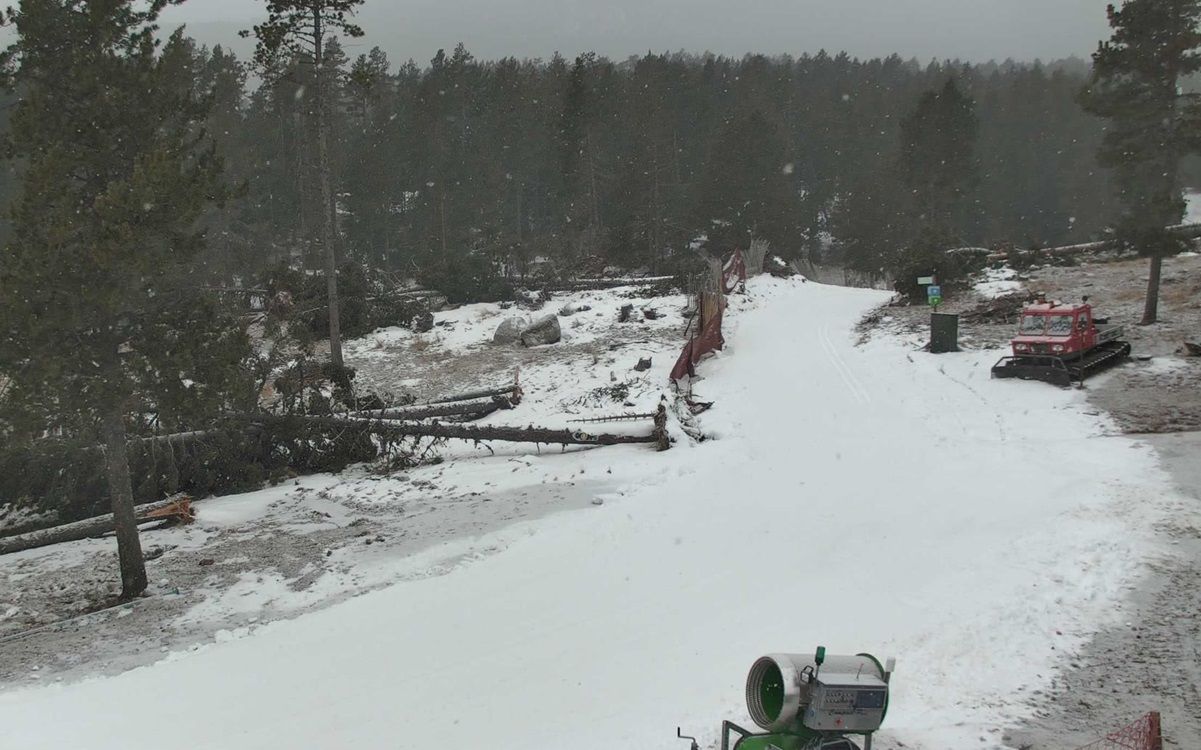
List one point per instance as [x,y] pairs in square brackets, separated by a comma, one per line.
[871,498]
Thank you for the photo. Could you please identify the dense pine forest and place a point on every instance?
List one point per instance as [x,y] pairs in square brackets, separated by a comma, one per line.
[468,174]
[467,169]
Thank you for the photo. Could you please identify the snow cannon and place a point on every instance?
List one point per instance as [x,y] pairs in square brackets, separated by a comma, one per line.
[811,702]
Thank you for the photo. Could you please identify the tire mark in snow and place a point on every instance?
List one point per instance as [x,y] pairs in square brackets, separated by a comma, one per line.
[856,388]
[999,420]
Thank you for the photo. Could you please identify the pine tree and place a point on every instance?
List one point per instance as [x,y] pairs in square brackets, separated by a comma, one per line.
[748,192]
[100,326]
[938,165]
[464,167]
[1136,82]
[302,29]
[871,226]
[271,154]
[373,158]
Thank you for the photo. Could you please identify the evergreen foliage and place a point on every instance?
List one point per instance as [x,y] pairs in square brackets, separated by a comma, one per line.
[938,165]
[927,202]
[102,324]
[1153,125]
[473,175]
[304,33]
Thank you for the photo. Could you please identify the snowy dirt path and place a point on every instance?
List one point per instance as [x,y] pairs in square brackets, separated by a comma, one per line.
[871,498]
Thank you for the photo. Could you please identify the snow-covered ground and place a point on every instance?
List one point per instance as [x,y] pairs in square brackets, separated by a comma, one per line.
[307,543]
[563,381]
[865,498]
[997,282]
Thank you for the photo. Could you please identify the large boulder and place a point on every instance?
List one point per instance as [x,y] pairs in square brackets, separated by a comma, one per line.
[543,331]
[510,330]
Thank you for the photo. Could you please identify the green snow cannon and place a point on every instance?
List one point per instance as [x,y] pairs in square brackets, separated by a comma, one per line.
[812,702]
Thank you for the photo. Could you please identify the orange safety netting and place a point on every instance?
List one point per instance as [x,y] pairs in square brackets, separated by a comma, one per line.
[1143,734]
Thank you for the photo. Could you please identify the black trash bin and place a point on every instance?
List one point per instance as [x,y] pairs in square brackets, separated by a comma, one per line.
[944,333]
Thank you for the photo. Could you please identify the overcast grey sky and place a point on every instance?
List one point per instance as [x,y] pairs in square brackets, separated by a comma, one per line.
[970,29]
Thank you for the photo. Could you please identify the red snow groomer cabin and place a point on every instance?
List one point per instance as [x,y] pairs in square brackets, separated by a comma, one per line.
[1062,343]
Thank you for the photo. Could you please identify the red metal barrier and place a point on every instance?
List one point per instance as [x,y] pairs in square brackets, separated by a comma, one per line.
[1143,734]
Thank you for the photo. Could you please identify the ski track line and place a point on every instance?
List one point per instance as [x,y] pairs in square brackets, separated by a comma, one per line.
[858,392]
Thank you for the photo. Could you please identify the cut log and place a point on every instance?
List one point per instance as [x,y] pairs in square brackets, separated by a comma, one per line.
[451,409]
[481,433]
[177,508]
[662,438]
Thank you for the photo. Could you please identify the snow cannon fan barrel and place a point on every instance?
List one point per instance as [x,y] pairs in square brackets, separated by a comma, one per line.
[790,692]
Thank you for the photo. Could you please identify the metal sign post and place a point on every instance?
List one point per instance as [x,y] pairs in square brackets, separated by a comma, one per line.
[934,295]
[944,329]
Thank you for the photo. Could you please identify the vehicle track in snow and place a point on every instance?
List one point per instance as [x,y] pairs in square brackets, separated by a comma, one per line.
[853,384]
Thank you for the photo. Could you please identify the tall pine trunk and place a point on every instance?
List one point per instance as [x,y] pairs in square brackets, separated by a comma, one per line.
[1151,310]
[129,545]
[1171,167]
[442,221]
[327,195]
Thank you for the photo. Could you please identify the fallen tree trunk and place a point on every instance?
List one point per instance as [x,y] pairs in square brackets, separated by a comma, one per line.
[413,293]
[589,284]
[175,439]
[451,409]
[178,438]
[1183,231]
[178,508]
[480,433]
[512,391]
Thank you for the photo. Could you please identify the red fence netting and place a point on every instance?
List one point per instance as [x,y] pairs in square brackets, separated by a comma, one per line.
[733,273]
[1143,734]
[712,309]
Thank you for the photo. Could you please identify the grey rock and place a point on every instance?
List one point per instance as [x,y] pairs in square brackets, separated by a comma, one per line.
[509,330]
[543,331]
[571,308]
